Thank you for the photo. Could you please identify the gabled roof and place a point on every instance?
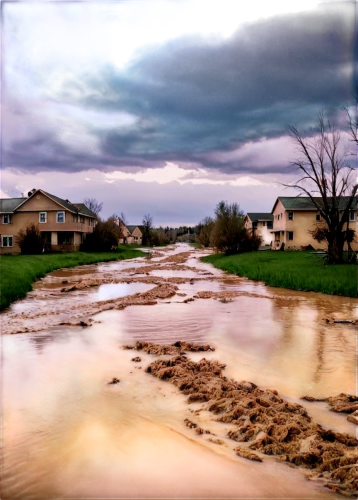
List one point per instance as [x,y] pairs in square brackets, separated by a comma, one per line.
[65,203]
[132,228]
[82,209]
[305,203]
[8,205]
[256,216]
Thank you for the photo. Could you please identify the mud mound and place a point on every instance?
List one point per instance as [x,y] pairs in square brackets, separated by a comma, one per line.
[265,423]
[342,403]
[227,296]
[172,349]
[178,258]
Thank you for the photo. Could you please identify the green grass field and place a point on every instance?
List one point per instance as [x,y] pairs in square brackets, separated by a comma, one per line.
[293,270]
[18,272]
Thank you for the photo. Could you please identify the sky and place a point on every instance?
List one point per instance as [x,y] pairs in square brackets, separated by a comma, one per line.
[168,107]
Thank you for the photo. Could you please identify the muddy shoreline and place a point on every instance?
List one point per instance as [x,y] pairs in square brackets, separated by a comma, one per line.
[264,422]
[164,288]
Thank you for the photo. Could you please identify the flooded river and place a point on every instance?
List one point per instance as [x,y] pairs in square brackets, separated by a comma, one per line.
[67,433]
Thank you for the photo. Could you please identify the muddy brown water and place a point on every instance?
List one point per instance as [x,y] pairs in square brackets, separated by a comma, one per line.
[66,433]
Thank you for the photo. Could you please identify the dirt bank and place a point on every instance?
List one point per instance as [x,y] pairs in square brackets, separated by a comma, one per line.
[265,424]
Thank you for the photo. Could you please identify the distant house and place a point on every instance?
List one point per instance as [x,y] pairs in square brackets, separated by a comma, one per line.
[261,224]
[295,217]
[136,234]
[131,234]
[63,224]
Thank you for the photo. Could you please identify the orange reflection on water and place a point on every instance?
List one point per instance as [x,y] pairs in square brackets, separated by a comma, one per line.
[151,461]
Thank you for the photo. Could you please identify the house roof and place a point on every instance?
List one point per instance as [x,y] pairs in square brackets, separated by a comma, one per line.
[82,209]
[132,228]
[255,216]
[65,203]
[305,203]
[9,204]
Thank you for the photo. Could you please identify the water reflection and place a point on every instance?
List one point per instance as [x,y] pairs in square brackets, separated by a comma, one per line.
[116,290]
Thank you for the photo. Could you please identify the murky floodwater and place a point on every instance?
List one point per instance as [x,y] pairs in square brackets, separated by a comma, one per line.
[68,434]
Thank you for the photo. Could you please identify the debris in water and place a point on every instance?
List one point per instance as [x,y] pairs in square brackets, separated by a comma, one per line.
[114,381]
[137,359]
[171,349]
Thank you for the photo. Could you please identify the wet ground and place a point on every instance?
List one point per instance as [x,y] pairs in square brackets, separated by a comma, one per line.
[67,433]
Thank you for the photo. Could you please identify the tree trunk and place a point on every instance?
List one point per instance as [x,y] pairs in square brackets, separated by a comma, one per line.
[335,249]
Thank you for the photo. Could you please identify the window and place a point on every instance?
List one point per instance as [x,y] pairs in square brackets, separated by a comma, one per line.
[290,215]
[6,241]
[82,219]
[7,219]
[74,218]
[318,217]
[264,223]
[60,217]
[270,225]
[290,235]
[43,217]
[352,215]
[282,232]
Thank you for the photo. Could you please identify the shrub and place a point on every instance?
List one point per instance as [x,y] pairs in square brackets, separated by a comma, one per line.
[205,228]
[104,237]
[229,229]
[30,241]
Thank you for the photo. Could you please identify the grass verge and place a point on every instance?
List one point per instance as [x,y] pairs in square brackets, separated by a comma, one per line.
[18,272]
[294,270]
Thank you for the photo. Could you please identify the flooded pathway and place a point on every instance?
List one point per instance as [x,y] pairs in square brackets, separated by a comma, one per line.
[67,433]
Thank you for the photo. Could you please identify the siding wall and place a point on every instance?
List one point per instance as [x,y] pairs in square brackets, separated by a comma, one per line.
[303,221]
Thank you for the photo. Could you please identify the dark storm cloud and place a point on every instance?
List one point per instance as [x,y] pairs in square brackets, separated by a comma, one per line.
[193,95]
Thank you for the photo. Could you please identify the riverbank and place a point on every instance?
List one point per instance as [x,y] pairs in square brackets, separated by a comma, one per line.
[302,271]
[18,272]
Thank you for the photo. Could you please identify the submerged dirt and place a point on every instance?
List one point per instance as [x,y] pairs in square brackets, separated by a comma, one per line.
[264,422]
[342,403]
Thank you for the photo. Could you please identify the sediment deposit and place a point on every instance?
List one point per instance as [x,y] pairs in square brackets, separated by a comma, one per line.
[265,424]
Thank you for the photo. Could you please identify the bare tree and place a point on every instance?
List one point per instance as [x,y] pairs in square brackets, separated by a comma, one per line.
[328,180]
[147,228]
[123,218]
[353,123]
[93,205]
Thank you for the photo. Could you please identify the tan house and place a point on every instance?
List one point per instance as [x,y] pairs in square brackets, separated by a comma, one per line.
[131,234]
[63,224]
[295,217]
[261,224]
[136,234]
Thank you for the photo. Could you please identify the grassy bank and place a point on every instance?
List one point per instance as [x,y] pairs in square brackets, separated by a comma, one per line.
[293,270]
[18,272]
